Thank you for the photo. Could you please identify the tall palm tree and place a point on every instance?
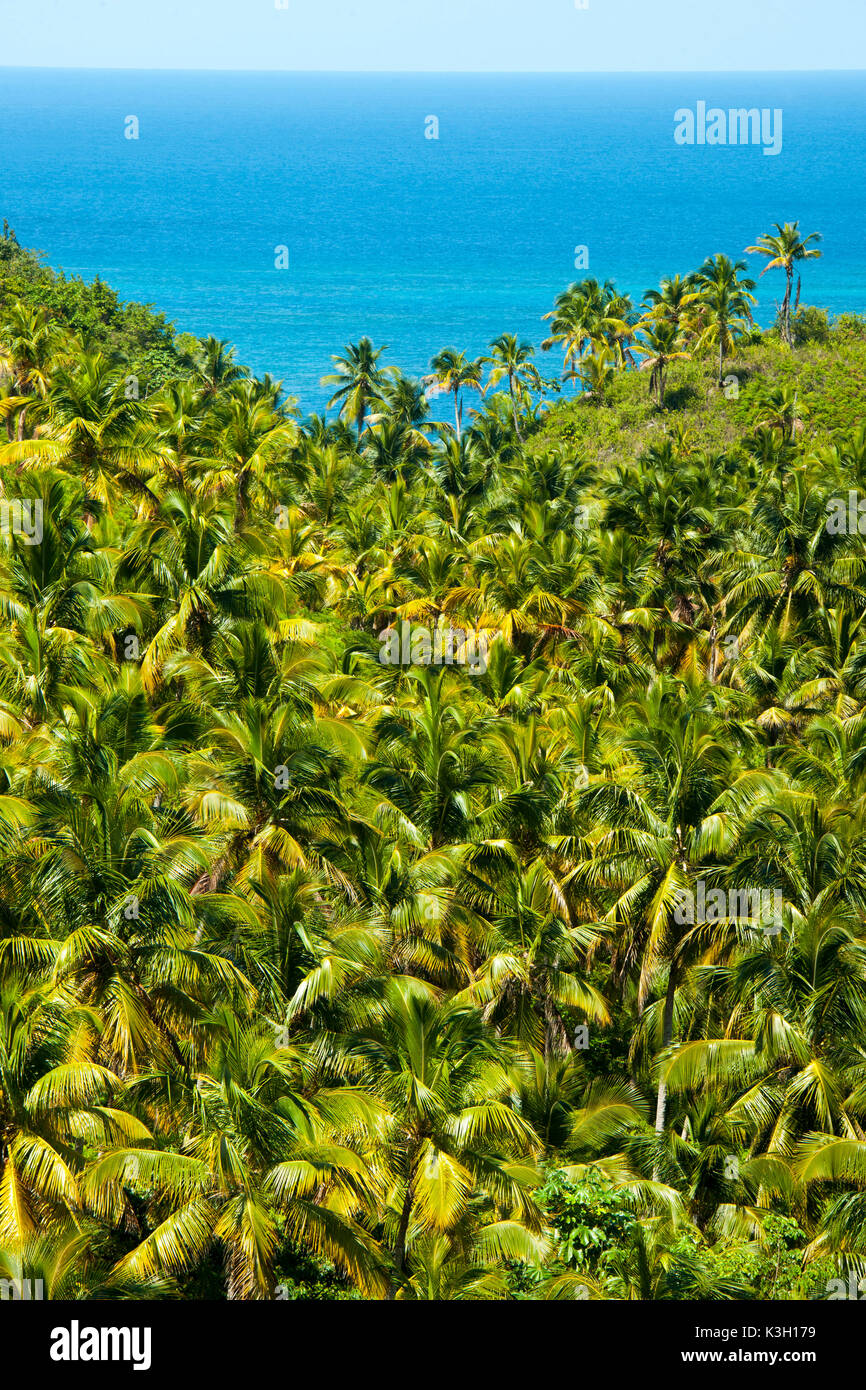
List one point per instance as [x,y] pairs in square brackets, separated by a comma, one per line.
[589,314]
[88,424]
[722,312]
[454,372]
[783,249]
[657,838]
[673,299]
[264,1145]
[359,380]
[510,359]
[251,438]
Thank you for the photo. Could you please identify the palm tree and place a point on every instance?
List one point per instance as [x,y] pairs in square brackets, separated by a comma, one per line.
[251,439]
[88,424]
[216,367]
[326,954]
[597,374]
[722,311]
[29,342]
[662,344]
[673,300]
[52,1092]
[453,372]
[590,314]
[454,1147]
[655,843]
[720,324]
[428,763]
[776,409]
[529,976]
[510,359]
[359,380]
[782,249]
[263,1145]
[198,572]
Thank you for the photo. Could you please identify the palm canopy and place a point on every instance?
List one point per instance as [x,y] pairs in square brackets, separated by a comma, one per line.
[454,372]
[431,855]
[359,381]
[783,249]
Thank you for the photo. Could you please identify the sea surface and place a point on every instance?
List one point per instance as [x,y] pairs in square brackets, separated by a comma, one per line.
[419,243]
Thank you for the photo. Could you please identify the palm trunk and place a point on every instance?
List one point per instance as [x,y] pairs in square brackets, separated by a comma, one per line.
[514,407]
[458,414]
[21,385]
[721,358]
[786,303]
[400,1243]
[667,1039]
[240,504]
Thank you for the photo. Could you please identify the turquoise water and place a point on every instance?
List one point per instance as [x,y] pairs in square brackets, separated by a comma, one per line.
[418,243]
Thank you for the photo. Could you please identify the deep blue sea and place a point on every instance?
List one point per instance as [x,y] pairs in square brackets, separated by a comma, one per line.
[419,243]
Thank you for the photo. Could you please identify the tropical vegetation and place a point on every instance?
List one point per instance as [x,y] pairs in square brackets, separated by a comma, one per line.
[328,973]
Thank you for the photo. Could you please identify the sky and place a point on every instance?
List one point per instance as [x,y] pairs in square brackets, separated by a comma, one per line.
[437,35]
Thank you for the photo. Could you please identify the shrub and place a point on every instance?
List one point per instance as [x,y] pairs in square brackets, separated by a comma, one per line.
[850,327]
[811,325]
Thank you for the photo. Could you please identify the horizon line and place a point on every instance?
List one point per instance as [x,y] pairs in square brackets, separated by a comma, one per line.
[442,72]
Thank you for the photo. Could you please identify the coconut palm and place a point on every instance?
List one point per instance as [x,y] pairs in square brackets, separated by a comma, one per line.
[29,342]
[89,425]
[216,367]
[263,1146]
[454,372]
[722,312]
[510,359]
[661,345]
[359,380]
[453,1146]
[251,438]
[368,790]
[783,249]
[589,314]
[672,301]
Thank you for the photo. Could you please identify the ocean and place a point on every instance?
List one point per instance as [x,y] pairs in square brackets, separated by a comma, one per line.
[420,243]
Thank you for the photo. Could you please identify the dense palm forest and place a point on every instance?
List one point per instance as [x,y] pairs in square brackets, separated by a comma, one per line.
[432,857]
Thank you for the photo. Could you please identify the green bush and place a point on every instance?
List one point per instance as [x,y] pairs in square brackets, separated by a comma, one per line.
[811,325]
[132,333]
[850,327]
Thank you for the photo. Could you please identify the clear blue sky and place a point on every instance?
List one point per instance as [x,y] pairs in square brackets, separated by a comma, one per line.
[436,35]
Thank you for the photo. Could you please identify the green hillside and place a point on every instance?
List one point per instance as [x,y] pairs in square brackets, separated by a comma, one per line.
[432,856]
